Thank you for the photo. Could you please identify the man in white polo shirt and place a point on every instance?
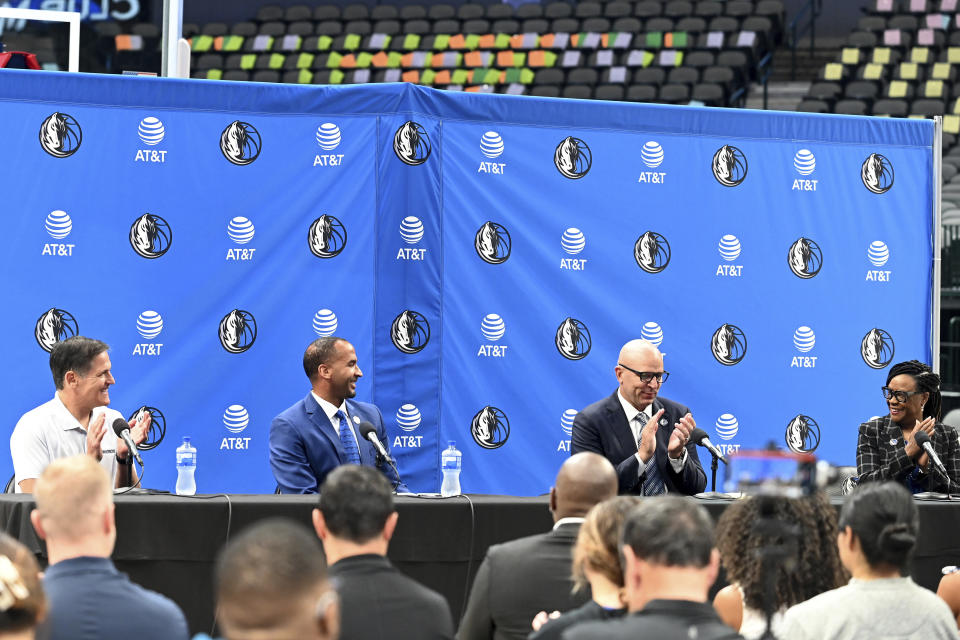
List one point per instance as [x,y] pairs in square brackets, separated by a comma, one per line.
[77,419]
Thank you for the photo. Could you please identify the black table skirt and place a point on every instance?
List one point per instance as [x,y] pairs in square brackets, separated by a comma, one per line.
[169,543]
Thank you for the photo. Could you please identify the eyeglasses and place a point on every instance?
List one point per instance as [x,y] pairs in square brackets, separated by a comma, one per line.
[647,376]
[901,396]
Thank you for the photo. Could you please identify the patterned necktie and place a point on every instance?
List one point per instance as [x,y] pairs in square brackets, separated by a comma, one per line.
[652,482]
[350,448]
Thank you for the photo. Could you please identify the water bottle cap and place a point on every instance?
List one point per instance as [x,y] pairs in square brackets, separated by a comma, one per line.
[452,444]
[186,439]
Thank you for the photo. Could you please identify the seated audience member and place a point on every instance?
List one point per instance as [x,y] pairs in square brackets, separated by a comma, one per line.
[271,584]
[22,603]
[355,520]
[596,564]
[90,599]
[669,565]
[878,533]
[886,447]
[802,531]
[517,579]
[949,592]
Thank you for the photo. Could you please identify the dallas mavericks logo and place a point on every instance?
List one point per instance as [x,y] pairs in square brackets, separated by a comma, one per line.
[805,258]
[728,344]
[492,243]
[238,331]
[236,418]
[412,144]
[573,339]
[877,173]
[729,166]
[490,428]
[803,434]
[240,143]
[60,135]
[158,426]
[876,348]
[652,252]
[327,237]
[150,236]
[573,158]
[53,326]
[410,332]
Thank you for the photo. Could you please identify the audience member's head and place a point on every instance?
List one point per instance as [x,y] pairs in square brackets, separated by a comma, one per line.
[596,556]
[803,531]
[74,511]
[584,479]
[356,513]
[271,584]
[22,603]
[878,527]
[667,547]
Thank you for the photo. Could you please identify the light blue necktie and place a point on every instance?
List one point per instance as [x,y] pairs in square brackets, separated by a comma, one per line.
[349,443]
[652,483]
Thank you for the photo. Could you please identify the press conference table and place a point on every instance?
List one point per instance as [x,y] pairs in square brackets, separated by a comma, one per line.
[169,543]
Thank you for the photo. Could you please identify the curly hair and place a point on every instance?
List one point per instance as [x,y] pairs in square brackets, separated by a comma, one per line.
[926,380]
[812,565]
[25,603]
[599,539]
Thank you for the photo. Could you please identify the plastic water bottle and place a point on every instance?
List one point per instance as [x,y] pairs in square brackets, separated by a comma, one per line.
[450,462]
[186,466]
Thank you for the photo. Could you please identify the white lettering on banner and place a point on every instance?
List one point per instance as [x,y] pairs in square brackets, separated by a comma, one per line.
[328,160]
[878,276]
[406,253]
[804,185]
[727,449]
[408,442]
[240,254]
[83,7]
[653,177]
[146,349]
[804,362]
[492,351]
[574,264]
[564,445]
[235,444]
[732,270]
[496,168]
[54,249]
[150,155]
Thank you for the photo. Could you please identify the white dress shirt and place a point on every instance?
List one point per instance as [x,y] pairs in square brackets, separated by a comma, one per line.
[632,412]
[331,411]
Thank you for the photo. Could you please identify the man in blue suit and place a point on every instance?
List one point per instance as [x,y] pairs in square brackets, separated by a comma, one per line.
[322,431]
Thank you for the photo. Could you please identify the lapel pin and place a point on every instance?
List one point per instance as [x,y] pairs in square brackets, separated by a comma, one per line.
[893,442]
[663,422]
[356,420]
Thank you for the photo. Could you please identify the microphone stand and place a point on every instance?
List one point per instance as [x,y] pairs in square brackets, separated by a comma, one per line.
[393,465]
[714,464]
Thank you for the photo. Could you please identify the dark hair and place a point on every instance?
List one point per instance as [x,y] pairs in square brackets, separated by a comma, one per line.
[74,354]
[670,531]
[319,352]
[356,502]
[885,519]
[24,612]
[812,564]
[926,380]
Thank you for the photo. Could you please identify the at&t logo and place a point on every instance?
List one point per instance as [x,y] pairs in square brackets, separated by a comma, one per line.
[411,144]
[235,420]
[728,344]
[151,132]
[566,425]
[149,326]
[573,339]
[240,143]
[805,163]
[727,428]
[60,135]
[876,172]
[411,232]
[652,252]
[408,419]
[573,158]
[492,327]
[241,231]
[59,225]
[238,331]
[491,146]
[410,332]
[729,166]
[326,237]
[729,249]
[492,243]
[324,323]
[877,348]
[490,428]
[803,434]
[805,258]
[150,236]
[878,254]
[652,156]
[53,326]
[572,242]
[804,340]
[328,139]
[652,333]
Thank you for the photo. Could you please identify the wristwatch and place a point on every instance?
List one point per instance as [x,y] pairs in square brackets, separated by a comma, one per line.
[125,461]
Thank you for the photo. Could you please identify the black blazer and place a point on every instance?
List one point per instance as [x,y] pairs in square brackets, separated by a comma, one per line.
[377,602]
[519,579]
[602,428]
[882,455]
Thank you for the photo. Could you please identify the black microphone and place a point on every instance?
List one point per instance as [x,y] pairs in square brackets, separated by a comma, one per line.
[122,429]
[700,437]
[923,440]
[368,431]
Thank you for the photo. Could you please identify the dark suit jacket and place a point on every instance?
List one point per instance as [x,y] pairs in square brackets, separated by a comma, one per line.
[878,460]
[660,619]
[304,446]
[516,581]
[377,602]
[602,428]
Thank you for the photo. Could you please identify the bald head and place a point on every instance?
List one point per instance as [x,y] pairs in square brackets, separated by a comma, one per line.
[636,357]
[584,480]
[637,349]
[72,495]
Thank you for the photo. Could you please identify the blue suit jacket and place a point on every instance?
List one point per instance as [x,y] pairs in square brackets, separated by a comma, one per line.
[304,446]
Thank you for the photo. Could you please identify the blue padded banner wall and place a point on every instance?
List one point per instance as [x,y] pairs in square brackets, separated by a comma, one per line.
[487,255]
